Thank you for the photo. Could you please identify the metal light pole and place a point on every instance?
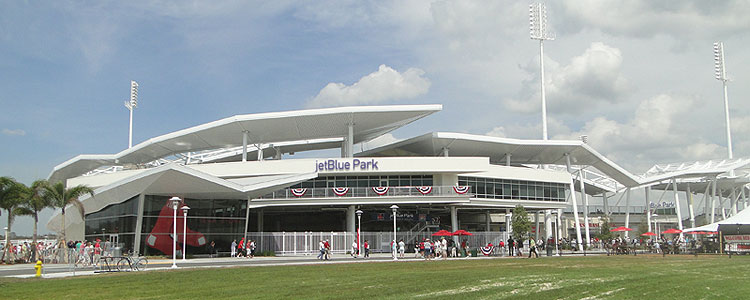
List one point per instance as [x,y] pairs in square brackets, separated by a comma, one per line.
[359,227]
[538,31]
[104,234]
[720,72]
[130,105]
[185,209]
[175,201]
[394,208]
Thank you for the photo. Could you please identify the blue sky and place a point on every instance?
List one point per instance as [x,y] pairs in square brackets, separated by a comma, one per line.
[636,77]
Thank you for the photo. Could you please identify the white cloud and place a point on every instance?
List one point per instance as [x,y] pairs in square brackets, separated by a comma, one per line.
[589,79]
[498,131]
[386,84]
[18,132]
[642,18]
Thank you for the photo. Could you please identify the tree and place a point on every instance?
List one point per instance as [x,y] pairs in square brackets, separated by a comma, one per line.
[11,195]
[60,197]
[520,222]
[34,201]
[605,234]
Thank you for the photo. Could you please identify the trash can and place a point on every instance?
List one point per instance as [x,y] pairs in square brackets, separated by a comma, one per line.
[474,252]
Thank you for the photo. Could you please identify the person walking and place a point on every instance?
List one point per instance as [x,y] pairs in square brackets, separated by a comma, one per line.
[355,251]
[327,247]
[233,248]
[252,248]
[322,249]
[401,248]
[532,248]
[511,245]
[367,249]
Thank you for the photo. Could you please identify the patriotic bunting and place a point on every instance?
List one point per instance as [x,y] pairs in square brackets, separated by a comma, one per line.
[424,189]
[340,191]
[380,190]
[461,189]
[487,250]
[299,192]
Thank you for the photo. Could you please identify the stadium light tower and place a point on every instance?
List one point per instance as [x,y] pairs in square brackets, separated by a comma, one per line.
[133,103]
[721,74]
[539,31]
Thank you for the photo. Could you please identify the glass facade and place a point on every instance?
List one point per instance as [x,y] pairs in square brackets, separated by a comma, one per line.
[217,220]
[491,188]
[119,219]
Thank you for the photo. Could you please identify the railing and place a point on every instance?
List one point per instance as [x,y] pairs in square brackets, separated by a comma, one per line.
[395,191]
[306,243]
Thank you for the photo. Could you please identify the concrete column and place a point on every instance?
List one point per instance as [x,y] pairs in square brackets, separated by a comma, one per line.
[536,220]
[244,145]
[691,210]
[260,220]
[733,201]
[487,220]
[139,224]
[247,219]
[605,200]
[277,153]
[547,224]
[445,151]
[260,151]
[585,205]
[744,196]
[721,205]
[507,159]
[350,217]
[350,140]
[647,191]
[508,223]
[454,223]
[559,222]
[627,210]
[677,205]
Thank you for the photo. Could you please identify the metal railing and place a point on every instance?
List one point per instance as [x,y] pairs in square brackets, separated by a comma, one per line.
[353,192]
[306,243]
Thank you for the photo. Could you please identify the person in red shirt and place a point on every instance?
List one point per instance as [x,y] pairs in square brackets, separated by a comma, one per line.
[327,247]
[367,249]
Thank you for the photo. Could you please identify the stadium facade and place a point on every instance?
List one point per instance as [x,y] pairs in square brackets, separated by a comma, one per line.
[240,175]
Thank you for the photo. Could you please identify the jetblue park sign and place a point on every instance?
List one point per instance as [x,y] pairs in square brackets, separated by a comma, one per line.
[346,165]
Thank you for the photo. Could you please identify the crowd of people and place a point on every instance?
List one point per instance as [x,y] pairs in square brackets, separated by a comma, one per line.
[86,253]
[243,249]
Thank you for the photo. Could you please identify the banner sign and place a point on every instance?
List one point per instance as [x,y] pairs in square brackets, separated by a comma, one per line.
[342,165]
[738,243]
[663,204]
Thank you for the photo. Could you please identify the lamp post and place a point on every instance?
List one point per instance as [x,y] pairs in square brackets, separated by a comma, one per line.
[720,72]
[130,105]
[104,234]
[538,31]
[359,227]
[394,208]
[656,223]
[175,201]
[185,209]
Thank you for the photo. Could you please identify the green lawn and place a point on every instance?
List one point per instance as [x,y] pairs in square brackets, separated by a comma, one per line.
[641,277]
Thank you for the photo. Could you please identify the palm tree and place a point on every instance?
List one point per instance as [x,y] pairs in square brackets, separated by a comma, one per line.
[35,201]
[11,195]
[61,197]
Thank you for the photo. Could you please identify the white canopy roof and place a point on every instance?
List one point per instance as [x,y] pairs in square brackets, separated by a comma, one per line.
[742,217]
[497,149]
[368,122]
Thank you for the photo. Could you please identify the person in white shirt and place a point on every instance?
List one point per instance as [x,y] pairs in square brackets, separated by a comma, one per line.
[354,249]
[444,248]
[401,248]
[322,249]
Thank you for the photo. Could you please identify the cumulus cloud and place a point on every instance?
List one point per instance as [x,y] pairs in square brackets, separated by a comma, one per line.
[659,131]
[590,78]
[643,18]
[498,131]
[383,85]
[17,132]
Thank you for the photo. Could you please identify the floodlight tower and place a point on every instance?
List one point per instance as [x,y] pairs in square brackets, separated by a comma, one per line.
[539,31]
[130,105]
[721,74]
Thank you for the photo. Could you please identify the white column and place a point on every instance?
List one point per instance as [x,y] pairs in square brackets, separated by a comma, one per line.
[689,195]
[454,223]
[605,200]
[744,196]
[536,220]
[446,151]
[544,102]
[139,224]
[247,220]
[574,203]
[350,140]
[733,201]
[677,205]
[507,159]
[547,224]
[260,151]
[558,221]
[647,191]
[713,200]
[721,205]
[487,220]
[585,205]
[627,210]
[350,215]
[244,145]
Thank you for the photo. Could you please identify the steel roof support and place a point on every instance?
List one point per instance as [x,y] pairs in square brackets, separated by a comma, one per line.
[713,201]
[585,205]
[627,210]
[689,198]
[647,191]
[677,205]
[575,204]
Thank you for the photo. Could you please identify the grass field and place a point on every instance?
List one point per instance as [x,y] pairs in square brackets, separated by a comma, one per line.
[641,277]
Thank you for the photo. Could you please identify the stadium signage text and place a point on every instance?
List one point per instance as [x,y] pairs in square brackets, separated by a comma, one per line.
[354,165]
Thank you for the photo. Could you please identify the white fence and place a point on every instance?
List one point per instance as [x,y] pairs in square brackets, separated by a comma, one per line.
[306,243]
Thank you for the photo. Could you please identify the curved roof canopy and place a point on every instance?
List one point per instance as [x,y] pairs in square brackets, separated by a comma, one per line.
[369,122]
[497,149]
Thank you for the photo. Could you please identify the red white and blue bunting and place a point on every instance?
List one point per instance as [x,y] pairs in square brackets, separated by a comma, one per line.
[299,192]
[424,189]
[487,250]
[340,191]
[380,190]
[461,189]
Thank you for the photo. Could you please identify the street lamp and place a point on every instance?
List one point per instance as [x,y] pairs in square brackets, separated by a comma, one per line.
[130,105]
[656,223]
[175,201]
[394,208]
[185,209]
[538,31]
[359,227]
[720,72]
[104,234]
